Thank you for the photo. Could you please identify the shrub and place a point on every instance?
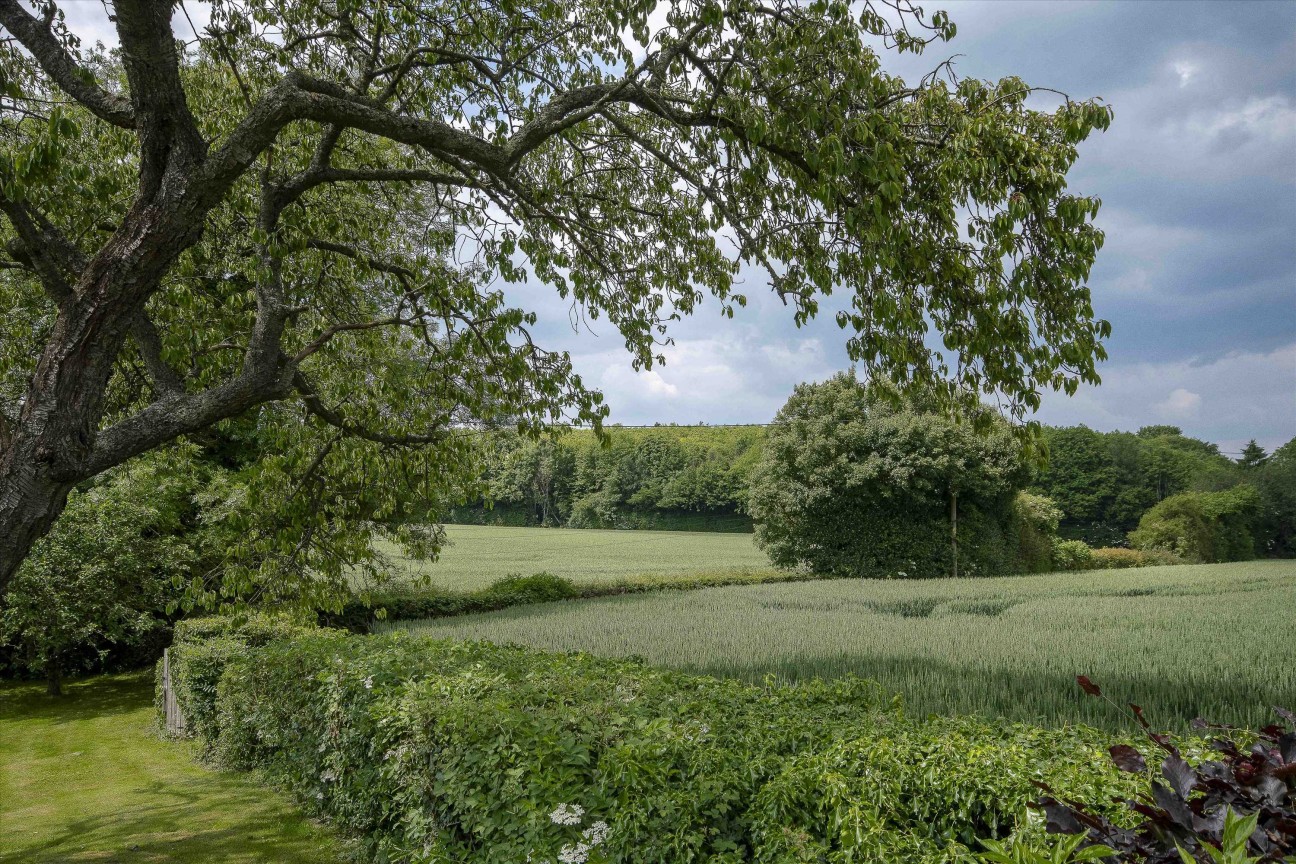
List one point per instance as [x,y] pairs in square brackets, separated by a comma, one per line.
[451,751]
[94,592]
[1202,526]
[850,485]
[1035,523]
[1072,555]
[430,602]
[1224,811]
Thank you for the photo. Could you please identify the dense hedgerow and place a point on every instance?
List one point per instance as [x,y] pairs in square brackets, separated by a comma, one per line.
[408,603]
[434,750]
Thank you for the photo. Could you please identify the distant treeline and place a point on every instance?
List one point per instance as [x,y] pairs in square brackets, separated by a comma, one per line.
[1104,481]
[665,477]
[696,478]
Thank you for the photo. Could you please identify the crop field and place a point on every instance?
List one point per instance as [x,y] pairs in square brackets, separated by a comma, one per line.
[1217,641]
[480,554]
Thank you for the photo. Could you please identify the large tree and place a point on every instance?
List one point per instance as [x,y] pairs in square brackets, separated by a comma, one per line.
[298,215]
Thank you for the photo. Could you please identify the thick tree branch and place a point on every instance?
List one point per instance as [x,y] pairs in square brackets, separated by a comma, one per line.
[63,70]
[183,414]
[166,381]
[167,128]
[40,251]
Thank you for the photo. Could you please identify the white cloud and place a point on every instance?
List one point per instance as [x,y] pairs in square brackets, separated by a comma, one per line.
[1180,404]
[1227,399]
[1185,70]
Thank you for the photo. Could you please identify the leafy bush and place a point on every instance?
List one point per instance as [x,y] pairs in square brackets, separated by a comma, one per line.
[95,591]
[1202,526]
[413,602]
[437,751]
[851,485]
[1240,808]
[1072,555]
[1035,523]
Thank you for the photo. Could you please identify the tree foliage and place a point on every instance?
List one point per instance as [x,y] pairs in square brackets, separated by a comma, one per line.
[1111,478]
[1276,480]
[1203,526]
[666,476]
[313,207]
[849,484]
[101,582]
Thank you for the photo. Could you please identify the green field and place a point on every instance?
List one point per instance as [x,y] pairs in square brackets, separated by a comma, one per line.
[479,554]
[1212,640]
[84,778]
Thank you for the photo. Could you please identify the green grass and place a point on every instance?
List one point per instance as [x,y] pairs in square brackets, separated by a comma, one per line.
[480,554]
[83,778]
[1213,640]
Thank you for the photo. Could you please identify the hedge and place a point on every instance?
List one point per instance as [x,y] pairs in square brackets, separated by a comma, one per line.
[411,602]
[441,751]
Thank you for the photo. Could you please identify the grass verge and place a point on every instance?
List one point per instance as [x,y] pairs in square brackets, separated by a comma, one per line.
[84,778]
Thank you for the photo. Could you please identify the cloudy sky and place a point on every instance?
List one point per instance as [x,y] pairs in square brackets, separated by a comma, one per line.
[1198,276]
[1198,181]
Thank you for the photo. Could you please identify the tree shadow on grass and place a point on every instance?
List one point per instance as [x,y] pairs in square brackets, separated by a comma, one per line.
[85,699]
[219,818]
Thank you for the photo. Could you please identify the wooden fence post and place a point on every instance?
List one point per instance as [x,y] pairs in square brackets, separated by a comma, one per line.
[175,724]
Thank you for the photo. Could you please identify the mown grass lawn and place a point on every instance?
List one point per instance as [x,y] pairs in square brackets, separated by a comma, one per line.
[480,554]
[1217,641]
[84,778]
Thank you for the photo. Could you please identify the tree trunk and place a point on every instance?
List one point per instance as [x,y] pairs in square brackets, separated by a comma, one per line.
[54,676]
[46,454]
[954,533]
[47,451]
[30,501]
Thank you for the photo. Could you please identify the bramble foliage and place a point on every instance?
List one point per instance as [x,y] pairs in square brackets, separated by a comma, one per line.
[1071,555]
[1238,809]
[849,484]
[433,750]
[1120,558]
[1034,522]
[1202,526]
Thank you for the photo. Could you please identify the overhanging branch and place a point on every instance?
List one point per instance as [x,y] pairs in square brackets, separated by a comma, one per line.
[73,79]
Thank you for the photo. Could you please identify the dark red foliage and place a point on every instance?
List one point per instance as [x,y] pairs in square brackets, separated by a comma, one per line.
[1187,803]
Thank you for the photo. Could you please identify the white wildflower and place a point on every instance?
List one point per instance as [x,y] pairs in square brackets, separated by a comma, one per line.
[577,854]
[596,833]
[368,683]
[567,814]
